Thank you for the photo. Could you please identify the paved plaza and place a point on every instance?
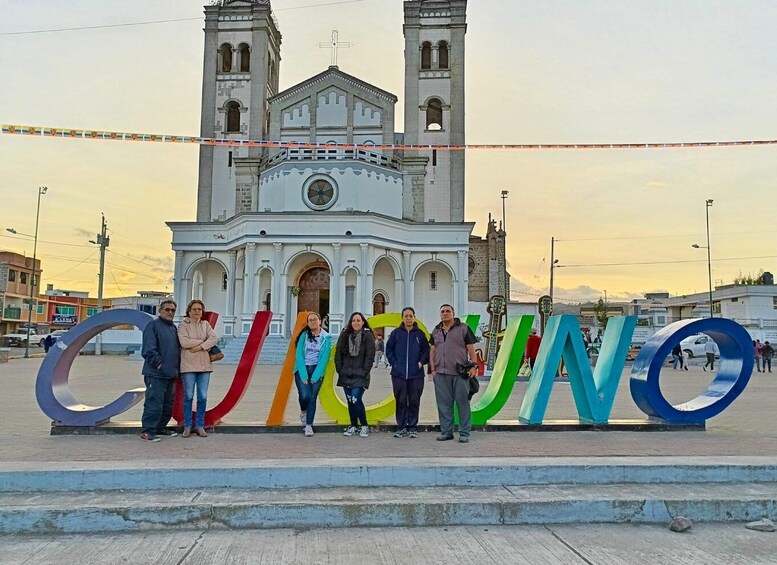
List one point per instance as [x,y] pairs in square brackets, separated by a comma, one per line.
[747,428]
[707,544]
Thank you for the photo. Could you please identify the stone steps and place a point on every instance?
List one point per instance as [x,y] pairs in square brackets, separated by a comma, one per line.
[273,351]
[109,497]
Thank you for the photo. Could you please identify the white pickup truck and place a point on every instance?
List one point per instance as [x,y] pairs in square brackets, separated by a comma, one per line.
[20,340]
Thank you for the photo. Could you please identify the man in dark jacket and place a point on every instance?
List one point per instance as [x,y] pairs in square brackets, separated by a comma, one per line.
[407,351]
[162,357]
[452,346]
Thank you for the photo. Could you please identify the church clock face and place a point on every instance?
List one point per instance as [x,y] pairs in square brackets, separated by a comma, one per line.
[319,193]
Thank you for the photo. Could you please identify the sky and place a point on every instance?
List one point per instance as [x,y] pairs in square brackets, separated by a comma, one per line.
[554,71]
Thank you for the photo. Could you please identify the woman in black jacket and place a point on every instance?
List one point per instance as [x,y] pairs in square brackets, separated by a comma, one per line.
[407,351]
[353,360]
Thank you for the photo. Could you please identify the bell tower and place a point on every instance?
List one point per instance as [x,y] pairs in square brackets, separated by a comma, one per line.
[434,99]
[240,73]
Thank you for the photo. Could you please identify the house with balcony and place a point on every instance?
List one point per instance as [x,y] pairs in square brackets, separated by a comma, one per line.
[17,279]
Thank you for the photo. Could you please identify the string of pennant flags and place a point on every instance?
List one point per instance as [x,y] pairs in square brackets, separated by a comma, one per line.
[67,133]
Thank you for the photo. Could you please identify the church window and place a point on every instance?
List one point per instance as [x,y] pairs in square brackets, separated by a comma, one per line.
[224,280]
[245,58]
[434,157]
[434,115]
[426,55]
[443,55]
[233,117]
[225,52]
[320,193]
[267,302]
[432,280]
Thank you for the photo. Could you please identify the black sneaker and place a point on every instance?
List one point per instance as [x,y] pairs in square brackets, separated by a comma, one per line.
[444,437]
[463,439]
[149,437]
[166,432]
[412,434]
[400,433]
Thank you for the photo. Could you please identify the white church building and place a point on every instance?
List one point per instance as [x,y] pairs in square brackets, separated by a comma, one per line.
[331,229]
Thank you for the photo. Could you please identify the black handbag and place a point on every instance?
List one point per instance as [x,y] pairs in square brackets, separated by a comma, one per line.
[215,354]
[474,384]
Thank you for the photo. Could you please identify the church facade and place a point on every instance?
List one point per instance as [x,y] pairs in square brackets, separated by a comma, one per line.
[332,229]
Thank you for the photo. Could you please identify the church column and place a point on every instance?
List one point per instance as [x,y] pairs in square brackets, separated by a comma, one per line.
[235,65]
[208,116]
[408,294]
[462,300]
[276,302]
[362,297]
[179,290]
[336,307]
[229,314]
[248,286]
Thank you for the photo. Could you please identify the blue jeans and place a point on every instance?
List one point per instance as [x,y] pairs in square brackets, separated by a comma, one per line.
[356,409]
[189,380]
[675,361]
[308,393]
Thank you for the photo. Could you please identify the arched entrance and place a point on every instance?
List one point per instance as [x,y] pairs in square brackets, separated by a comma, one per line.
[314,290]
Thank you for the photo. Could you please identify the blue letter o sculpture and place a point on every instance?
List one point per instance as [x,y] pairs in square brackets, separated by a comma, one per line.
[736,366]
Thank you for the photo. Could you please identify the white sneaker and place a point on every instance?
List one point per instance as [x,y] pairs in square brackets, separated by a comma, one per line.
[365,432]
[349,431]
[308,431]
[303,417]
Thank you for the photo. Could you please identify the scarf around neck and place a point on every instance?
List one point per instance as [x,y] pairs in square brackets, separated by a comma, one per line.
[354,343]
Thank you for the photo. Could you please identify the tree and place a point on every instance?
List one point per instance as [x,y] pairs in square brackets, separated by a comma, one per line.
[600,312]
[749,279]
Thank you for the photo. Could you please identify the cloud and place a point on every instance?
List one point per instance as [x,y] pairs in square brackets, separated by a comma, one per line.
[81,232]
[523,292]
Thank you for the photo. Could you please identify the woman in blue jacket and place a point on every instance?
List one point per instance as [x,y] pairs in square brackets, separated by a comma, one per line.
[407,351]
[312,355]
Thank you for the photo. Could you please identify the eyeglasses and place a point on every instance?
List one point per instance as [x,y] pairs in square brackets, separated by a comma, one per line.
[168,309]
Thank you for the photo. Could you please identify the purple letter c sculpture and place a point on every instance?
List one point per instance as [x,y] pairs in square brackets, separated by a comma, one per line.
[52,389]
[734,370]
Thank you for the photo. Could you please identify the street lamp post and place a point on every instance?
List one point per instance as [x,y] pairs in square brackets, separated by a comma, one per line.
[34,279]
[707,206]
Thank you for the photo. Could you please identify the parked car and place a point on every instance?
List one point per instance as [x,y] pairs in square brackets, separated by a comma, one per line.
[56,335]
[695,345]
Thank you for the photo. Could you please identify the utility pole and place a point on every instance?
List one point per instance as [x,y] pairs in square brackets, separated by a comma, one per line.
[504,230]
[103,241]
[552,265]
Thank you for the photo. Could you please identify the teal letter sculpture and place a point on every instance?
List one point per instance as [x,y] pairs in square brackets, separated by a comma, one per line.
[594,392]
[506,366]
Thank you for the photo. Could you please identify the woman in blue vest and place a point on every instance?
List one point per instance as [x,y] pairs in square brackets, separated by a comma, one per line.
[312,355]
[407,351]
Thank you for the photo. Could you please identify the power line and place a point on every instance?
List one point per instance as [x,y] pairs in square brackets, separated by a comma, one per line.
[141,262]
[153,22]
[664,262]
[44,241]
[124,269]
[73,267]
[663,236]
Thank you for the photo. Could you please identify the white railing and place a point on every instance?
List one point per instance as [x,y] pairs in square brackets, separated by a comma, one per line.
[339,154]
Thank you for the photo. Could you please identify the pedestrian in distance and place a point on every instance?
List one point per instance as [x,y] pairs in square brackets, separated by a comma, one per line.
[685,359]
[677,354]
[161,354]
[196,337]
[709,349]
[767,352]
[533,347]
[354,356]
[452,350]
[314,345]
[48,341]
[407,351]
[380,346]
[758,354]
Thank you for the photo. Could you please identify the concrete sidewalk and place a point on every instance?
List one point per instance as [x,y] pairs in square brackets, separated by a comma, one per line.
[705,544]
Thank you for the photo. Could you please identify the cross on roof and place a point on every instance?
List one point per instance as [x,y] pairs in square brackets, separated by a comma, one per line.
[333,44]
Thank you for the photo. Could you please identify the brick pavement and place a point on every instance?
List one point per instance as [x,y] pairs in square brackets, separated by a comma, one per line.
[748,427]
